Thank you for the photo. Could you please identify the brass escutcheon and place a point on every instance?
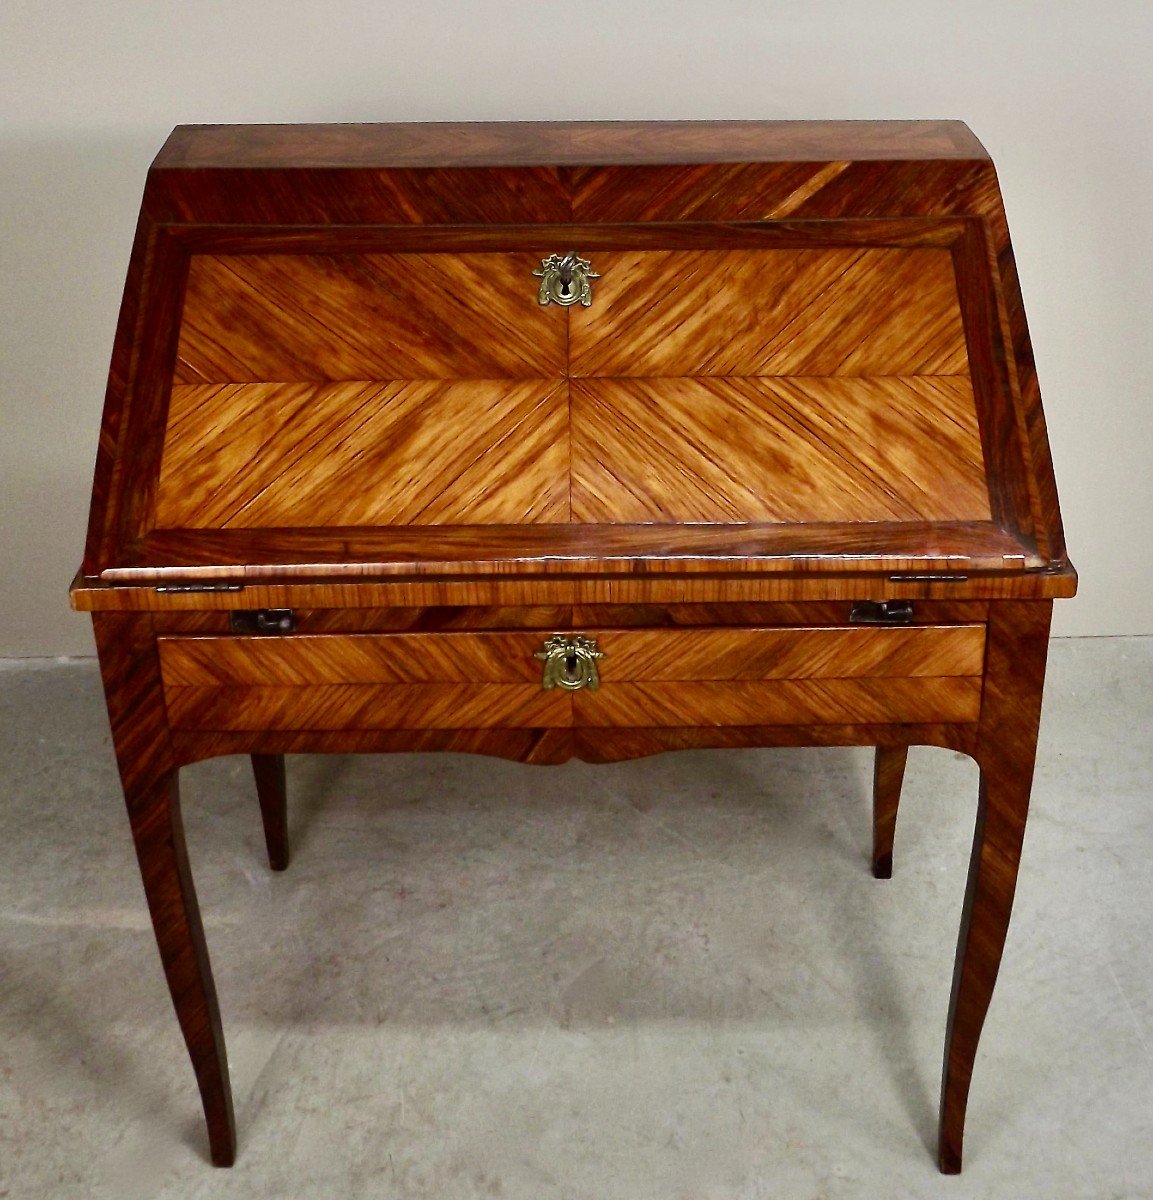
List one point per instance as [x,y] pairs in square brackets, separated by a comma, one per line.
[570,662]
[564,279]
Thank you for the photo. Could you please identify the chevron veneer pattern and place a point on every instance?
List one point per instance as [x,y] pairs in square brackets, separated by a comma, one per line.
[786,450]
[829,311]
[486,680]
[251,318]
[359,390]
[405,452]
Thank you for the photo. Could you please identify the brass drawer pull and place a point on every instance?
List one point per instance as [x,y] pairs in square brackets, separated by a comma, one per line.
[564,279]
[570,663]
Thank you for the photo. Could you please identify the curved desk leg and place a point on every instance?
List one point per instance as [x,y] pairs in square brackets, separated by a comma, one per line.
[273,795]
[1018,640]
[888,774]
[131,671]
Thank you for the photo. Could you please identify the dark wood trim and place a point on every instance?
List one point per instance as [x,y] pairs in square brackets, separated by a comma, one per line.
[572,143]
[294,555]
[898,232]
[550,746]
[148,771]
[272,792]
[1017,646]
[888,775]
[1012,499]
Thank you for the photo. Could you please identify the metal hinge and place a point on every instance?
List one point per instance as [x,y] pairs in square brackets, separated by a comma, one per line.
[173,588]
[262,621]
[881,612]
[929,577]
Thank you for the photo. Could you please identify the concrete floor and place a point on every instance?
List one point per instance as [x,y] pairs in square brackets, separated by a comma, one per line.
[672,978]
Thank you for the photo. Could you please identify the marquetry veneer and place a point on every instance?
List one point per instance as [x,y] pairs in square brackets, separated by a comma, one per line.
[377,473]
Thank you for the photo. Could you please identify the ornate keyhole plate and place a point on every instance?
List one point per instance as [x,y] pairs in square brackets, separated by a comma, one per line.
[570,662]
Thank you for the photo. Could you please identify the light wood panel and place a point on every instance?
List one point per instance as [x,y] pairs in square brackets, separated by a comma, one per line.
[630,654]
[827,311]
[781,702]
[299,317]
[780,450]
[369,706]
[717,654]
[429,452]
[304,659]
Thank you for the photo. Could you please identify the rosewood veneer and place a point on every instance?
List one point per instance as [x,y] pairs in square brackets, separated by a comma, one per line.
[555,440]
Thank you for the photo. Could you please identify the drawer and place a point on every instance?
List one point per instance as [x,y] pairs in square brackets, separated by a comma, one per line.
[647,677]
[826,676]
[359,682]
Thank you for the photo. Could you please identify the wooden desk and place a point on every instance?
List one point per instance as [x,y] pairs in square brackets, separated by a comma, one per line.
[589,440]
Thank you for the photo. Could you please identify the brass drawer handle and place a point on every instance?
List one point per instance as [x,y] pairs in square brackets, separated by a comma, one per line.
[570,663]
[564,279]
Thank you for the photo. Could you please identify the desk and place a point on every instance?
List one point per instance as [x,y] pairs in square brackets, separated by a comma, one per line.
[555,440]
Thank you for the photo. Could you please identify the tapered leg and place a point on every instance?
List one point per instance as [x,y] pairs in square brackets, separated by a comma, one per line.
[157,830]
[273,795]
[131,672]
[888,773]
[1007,742]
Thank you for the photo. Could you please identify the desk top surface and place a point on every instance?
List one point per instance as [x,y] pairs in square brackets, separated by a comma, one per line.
[804,353]
[560,143]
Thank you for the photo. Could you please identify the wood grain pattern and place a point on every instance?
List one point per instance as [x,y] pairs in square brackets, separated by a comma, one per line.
[463,680]
[421,453]
[148,771]
[832,311]
[346,555]
[827,188]
[558,745]
[266,318]
[630,654]
[1006,751]
[337,319]
[302,660]
[369,706]
[791,451]
[782,702]
[791,653]
[528,143]
[721,587]
[547,619]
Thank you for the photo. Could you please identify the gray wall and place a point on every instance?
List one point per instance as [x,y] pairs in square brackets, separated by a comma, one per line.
[1059,92]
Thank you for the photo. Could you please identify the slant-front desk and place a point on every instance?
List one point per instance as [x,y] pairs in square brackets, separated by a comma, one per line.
[555,440]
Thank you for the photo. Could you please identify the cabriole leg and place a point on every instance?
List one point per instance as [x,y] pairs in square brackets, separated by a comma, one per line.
[1006,750]
[131,671]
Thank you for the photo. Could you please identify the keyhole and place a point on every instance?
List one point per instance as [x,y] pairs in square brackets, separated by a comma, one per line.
[570,666]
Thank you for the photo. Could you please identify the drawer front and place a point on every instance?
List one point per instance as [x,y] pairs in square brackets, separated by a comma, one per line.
[648,677]
[856,676]
[358,682]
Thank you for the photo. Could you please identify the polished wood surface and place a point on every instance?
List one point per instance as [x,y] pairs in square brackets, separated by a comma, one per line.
[707,590]
[898,196]
[648,677]
[804,702]
[856,311]
[1006,751]
[805,381]
[272,792]
[269,318]
[888,775]
[374,454]
[646,654]
[785,451]
[140,735]
[528,143]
